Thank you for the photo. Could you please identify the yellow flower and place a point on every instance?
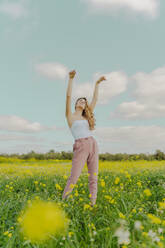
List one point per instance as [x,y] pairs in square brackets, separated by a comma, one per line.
[42,219]
[117,179]
[108,197]
[6,233]
[86,206]
[134,210]
[121,215]
[70,234]
[160,244]
[58,186]
[139,184]
[9,235]
[154,219]
[72,185]
[145,234]
[161,205]
[76,193]
[93,226]
[128,175]
[147,192]
[19,219]
[65,176]
[102,183]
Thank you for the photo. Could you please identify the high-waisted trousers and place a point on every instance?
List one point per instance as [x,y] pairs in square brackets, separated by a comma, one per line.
[84,150]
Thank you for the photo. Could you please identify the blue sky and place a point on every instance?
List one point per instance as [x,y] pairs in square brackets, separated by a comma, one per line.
[41,41]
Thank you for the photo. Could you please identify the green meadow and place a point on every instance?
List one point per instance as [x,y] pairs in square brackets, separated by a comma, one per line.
[129,211]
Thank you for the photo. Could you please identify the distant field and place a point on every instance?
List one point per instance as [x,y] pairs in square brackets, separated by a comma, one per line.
[129,211]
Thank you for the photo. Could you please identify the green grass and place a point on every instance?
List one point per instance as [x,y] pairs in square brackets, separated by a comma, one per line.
[127,197]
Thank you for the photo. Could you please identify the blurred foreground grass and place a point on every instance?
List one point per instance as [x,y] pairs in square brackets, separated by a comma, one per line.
[129,210]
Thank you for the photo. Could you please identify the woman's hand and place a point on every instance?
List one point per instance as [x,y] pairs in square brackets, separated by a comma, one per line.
[72,74]
[100,80]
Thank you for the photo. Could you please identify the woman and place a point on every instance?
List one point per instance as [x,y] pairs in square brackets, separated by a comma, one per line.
[85,148]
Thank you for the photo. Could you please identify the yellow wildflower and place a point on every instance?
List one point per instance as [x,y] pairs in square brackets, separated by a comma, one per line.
[161,205]
[86,206]
[121,215]
[72,185]
[102,183]
[147,192]
[58,186]
[76,193]
[70,234]
[117,179]
[42,219]
[154,219]
[139,184]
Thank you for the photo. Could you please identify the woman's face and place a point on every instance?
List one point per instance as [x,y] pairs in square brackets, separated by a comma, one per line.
[81,103]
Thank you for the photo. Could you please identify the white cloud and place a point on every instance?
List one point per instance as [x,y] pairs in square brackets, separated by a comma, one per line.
[115,84]
[149,93]
[151,86]
[147,7]
[15,10]
[131,139]
[52,70]
[19,124]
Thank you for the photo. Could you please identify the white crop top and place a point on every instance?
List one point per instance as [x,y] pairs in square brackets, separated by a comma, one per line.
[80,129]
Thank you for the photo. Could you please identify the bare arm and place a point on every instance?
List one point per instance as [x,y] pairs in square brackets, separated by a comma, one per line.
[68,97]
[69,89]
[68,111]
[95,96]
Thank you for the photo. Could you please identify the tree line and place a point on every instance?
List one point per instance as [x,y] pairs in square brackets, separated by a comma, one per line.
[158,155]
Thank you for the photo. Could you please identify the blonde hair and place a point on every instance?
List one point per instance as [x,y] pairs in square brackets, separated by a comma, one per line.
[88,114]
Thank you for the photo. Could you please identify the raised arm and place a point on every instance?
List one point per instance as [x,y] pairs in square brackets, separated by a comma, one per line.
[95,97]
[95,94]
[68,111]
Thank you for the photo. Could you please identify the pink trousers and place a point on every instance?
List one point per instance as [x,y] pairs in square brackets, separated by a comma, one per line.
[84,150]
